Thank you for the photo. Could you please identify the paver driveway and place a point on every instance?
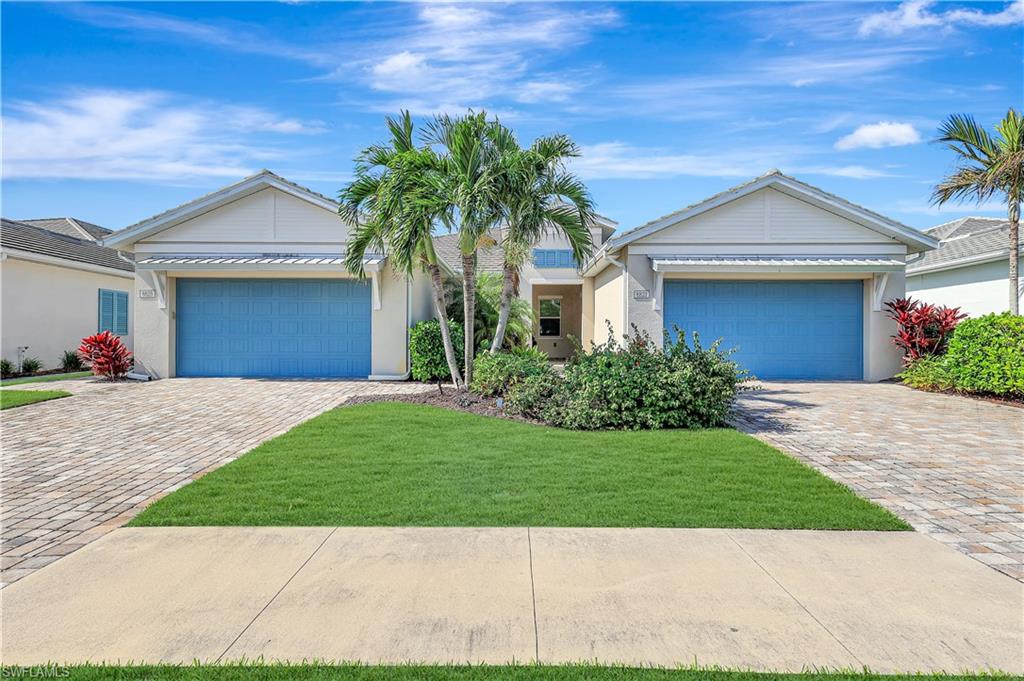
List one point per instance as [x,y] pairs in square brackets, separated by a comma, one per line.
[75,468]
[952,467]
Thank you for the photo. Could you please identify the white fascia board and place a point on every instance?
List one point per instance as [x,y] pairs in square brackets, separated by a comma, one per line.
[889,228]
[775,269]
[253,267]
[981,258]
[62,262]
[205,204]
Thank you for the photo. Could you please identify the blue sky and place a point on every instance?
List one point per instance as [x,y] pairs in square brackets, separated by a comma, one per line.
[115,112]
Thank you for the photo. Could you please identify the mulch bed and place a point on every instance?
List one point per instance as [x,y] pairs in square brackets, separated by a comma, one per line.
[450,399]
[1007,400]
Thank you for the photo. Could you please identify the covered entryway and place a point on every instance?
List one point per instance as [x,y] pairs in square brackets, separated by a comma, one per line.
[273,327]
[780,329]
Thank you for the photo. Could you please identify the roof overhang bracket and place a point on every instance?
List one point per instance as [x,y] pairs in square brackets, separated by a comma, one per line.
[879,280]
[160,286]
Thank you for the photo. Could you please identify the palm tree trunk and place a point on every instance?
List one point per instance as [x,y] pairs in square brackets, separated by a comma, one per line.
[1014,214]
[437,286]
[469,310]
[505,309]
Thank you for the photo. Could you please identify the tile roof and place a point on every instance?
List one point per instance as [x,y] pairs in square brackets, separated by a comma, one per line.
[33,239]
[963,239]
[69,227]
[488,258]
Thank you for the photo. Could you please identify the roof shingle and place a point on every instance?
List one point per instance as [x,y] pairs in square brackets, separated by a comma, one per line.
[33,239]
[964,238]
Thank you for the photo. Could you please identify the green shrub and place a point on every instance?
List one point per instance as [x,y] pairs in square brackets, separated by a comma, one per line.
[70,361]
[635,385]
[30,365]
[495,374]
[6,368]
[427,350]
[927,373]
[986,354]
[537,396]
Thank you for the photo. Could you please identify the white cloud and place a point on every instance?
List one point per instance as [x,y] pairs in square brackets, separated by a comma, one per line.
[878,135]
[619,160]
[918,14]
[139,135]
[545,91]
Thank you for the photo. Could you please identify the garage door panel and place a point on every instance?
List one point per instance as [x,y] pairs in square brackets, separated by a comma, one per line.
[780,329]
[253,327]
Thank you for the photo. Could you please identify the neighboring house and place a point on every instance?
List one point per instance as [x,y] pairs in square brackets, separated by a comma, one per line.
[551,281]
[970,268]
[60,285]
[249,281]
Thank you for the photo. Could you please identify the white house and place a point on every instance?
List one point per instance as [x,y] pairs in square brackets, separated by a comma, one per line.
[969,269]
[249,281]
[58,286]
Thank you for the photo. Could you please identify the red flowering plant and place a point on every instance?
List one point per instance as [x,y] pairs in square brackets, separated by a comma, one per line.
[107,355]
[922,329]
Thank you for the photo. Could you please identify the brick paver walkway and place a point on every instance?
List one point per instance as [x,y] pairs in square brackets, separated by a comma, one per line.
[75,468]
[952,467]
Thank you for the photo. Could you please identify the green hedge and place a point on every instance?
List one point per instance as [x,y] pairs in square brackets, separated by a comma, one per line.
[985,355]
[427,350]
[495,374]
[634,385]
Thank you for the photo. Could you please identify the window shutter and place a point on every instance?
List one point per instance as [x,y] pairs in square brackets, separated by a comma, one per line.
[113,312]
[106,311]
[121,313]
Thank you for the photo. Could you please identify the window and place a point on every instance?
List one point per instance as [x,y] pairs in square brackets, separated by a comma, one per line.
[550,317]
[554,258]
[113,312]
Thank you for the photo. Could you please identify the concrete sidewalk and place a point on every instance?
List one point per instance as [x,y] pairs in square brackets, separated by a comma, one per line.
[760,599]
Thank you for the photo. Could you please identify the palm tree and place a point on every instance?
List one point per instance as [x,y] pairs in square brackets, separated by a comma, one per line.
[470,187]
[519,327]
[988,165]
[395,201]
[537,195]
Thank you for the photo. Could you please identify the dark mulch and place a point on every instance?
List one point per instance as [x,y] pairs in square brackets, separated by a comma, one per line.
[450,399]
[1008,400]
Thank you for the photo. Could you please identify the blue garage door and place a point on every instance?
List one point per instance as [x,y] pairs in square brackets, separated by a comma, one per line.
[273,327]
[781,329]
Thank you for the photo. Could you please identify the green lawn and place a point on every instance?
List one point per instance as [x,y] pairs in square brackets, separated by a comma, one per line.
[261,672]
[407,464]
[45,379]
[19,398]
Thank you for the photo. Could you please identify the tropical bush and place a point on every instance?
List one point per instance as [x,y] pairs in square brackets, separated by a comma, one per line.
[31,365]
[427,350]
[6,368]
[495,374]
[985,355]
[922,330]
[635,385]
[107,355]
[70,361]
[488,304]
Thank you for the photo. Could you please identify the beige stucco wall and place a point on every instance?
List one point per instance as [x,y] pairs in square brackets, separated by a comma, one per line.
[389,326]
[51,308]
[977,289]
[609,294]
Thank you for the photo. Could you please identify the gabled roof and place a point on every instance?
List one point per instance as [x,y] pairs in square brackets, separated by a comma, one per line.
[19,236]
[250,185]
[70,227]
[963,242]
[775,179]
